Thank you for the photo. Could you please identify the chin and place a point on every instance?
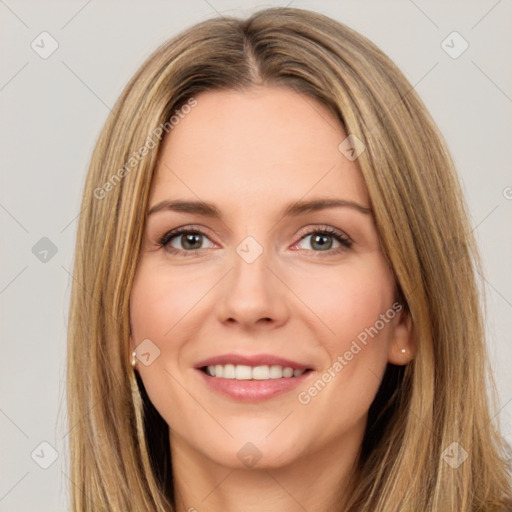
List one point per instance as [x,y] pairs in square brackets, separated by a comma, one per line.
[262,451]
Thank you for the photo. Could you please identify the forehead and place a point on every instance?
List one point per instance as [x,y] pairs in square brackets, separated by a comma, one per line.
[258,146]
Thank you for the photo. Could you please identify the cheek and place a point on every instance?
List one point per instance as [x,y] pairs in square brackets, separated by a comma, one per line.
[154,314]
[159,300]
[349,313]
[346,302]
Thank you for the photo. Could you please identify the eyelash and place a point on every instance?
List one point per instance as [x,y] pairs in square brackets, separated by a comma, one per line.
[344,240]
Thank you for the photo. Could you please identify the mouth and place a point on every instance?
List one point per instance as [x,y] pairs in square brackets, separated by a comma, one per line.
[252,378]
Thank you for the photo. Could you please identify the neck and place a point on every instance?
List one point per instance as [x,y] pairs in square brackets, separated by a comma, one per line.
[316,482]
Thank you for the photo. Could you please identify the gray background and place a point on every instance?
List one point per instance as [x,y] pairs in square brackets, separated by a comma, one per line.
[52,110]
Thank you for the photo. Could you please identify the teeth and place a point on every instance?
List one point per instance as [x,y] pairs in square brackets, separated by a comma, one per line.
[229,371]
[244,372]
[287,372]
[276,372]
[260,373]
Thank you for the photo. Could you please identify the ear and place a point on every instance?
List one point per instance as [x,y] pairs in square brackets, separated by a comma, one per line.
[402,347]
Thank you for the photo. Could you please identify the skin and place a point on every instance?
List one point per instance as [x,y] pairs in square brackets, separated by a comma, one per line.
[251,153]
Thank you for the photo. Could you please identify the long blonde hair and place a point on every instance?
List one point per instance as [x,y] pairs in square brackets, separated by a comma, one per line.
[120,458]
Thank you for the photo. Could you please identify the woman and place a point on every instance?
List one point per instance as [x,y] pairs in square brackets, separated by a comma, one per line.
[275,305]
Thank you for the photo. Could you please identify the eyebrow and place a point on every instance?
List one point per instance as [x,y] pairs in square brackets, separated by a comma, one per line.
[292,210]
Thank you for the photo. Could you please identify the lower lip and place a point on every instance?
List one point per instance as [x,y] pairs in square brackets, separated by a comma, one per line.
[253,390]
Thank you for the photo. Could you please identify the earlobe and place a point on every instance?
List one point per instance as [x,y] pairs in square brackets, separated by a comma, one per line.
[402,347]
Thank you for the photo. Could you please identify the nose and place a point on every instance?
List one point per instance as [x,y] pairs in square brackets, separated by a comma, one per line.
[253,294]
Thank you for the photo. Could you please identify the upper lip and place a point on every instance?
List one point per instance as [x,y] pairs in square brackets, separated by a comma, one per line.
[252,360]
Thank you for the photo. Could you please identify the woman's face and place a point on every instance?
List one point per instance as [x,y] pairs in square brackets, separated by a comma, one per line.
[262,279]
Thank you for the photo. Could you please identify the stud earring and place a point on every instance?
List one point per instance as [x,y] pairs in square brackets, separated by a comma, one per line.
[404,350]
[134,359]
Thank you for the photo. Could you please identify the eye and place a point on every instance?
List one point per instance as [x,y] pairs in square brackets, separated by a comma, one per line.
[324,240]
[189,241]
[184,240]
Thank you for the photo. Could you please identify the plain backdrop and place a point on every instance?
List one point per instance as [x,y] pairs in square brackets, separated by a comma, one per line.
[52,110]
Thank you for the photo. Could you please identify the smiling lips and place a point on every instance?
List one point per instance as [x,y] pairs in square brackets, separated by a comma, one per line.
[262,366]
[252,378]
